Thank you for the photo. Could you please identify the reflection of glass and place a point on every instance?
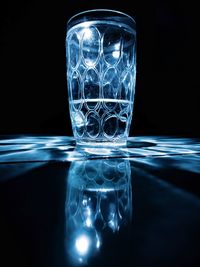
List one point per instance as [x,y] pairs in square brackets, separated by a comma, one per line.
[99,197]
[101,75]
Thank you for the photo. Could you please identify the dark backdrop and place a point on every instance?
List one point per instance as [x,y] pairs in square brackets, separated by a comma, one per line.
[33,89]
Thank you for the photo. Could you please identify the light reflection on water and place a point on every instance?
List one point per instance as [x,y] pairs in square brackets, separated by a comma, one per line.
[99,190]
[47,148]
[156,151]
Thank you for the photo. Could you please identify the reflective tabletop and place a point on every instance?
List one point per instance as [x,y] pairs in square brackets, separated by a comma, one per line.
[61,205]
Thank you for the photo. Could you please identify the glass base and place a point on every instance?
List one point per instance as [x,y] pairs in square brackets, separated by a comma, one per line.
[101,144]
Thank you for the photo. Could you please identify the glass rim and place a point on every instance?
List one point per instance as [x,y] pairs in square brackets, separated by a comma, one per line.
[79,17]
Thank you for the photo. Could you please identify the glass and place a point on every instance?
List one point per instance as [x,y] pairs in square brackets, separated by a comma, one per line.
[101,76]
[98,201]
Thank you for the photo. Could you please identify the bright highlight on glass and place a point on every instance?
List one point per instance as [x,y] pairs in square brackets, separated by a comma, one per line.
[98,199]
[82,244]
[101,75]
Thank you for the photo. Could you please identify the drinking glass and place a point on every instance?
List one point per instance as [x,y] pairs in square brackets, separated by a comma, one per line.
[98,200]
[101,76]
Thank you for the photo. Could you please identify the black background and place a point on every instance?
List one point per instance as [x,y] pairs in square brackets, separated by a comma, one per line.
[33,88]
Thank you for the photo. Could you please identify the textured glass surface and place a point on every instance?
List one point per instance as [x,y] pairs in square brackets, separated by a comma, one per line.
[101,74]
[98,199]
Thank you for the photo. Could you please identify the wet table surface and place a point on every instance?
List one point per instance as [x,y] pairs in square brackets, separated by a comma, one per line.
[65,206]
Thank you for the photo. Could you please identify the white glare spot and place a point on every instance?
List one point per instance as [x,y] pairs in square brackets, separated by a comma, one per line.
[87,33]
[98,243]
[84,202]
[88,212]
[78,119]
[88,222]
[116,54]
[117,46]
[82,244]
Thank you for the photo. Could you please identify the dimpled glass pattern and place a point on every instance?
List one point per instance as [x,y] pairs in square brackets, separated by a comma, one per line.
[101,74]
[98,200]
[99,192]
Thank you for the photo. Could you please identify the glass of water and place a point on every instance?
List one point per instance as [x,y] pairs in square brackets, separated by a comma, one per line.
[101,76]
